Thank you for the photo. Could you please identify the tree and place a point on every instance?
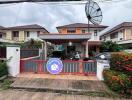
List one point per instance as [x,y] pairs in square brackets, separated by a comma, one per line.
[31,44]
[110,46]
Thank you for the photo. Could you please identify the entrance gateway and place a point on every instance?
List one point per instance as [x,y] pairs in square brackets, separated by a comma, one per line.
[54,66]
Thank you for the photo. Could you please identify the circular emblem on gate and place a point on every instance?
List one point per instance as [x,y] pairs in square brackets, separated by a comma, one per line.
[54,66]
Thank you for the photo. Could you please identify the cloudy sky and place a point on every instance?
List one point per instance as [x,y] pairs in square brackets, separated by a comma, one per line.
[51,16]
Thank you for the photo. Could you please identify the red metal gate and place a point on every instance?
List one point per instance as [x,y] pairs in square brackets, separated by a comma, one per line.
[69,67]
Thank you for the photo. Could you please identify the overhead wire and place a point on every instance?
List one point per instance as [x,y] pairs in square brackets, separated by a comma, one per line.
[18,14]
[63,2]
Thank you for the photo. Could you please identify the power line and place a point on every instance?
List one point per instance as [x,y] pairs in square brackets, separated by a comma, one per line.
[18,13]
[54,1]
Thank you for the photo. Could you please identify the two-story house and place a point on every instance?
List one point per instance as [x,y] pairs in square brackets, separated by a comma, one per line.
[23,33]
[82,28]
[122,34]
[2,34]
[75,37]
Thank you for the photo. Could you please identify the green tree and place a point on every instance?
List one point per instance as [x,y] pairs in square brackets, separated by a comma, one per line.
[110,46]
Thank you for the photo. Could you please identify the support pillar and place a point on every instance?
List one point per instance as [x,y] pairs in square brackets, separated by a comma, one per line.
[86,54]
[42,53]
[97,49]
[45,50]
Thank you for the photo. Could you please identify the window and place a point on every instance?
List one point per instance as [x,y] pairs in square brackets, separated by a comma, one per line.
[113,36]
[15,33]
[95,33]
[83,31]
[38,33]
[28,34]
[71,31]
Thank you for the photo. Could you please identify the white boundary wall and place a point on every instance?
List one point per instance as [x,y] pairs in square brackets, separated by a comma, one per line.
[101,65]
[13,57]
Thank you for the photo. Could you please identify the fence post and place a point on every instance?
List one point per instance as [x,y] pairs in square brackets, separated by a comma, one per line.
[100,69]
[22,66]
[80,66]
[40,67]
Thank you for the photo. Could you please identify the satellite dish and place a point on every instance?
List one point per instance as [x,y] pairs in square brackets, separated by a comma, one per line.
[93,12]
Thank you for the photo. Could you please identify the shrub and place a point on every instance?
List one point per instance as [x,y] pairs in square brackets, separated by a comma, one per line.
[118,81]
[121,62]
[110,46]
[3,69]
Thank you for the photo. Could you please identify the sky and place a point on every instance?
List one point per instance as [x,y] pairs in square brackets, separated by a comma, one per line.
[51,16]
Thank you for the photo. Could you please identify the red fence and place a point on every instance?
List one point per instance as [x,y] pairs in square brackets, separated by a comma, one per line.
[69,67]
[25,53]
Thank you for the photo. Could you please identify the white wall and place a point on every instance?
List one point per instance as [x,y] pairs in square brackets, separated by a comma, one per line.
[13,53]
[33,35]
[101,65]
[120,35]
[93,38]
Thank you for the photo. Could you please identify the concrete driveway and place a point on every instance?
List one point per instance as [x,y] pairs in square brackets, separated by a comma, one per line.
[26,95]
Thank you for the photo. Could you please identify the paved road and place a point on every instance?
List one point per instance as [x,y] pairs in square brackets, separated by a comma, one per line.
[26,95]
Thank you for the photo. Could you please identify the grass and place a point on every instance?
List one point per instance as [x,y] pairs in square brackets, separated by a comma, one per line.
[5,84]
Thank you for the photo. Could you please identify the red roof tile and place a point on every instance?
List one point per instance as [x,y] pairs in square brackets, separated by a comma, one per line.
[82,25]
[34,26]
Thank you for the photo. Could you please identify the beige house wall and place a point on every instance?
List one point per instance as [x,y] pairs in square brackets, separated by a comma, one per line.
[9,35]
[21,36]
[128,34]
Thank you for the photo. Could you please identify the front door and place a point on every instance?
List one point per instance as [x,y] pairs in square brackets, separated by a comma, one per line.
[71,51]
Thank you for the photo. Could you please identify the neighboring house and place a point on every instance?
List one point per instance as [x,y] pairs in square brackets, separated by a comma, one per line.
[23,33]
[122,34]
[2,33]
[75,37]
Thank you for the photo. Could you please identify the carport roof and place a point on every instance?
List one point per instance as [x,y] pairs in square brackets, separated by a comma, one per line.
[65,36]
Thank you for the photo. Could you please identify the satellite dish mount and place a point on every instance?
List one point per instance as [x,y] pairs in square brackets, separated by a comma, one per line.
[93,13]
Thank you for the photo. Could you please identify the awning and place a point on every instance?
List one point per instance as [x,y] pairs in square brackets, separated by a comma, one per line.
[64,38]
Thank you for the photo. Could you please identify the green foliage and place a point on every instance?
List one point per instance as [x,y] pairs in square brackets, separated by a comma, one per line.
[110,46]
[6,84]
[121,62]
[118,82]
[3,69]
[31,44]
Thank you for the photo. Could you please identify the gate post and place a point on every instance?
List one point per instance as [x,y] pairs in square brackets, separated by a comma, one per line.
[13,55]
[100,67]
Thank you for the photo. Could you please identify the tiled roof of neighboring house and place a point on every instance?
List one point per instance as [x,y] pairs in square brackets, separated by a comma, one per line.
[33,26]
[1,27]
[122,25]
[82,25]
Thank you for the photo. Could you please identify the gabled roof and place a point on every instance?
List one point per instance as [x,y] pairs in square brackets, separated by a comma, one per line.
[82,25]
[33,26]
[120,26]
[1,27]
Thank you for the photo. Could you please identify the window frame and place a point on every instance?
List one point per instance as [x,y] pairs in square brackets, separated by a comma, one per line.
[27,34]
[95,32]
[71,30]
[15,33]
